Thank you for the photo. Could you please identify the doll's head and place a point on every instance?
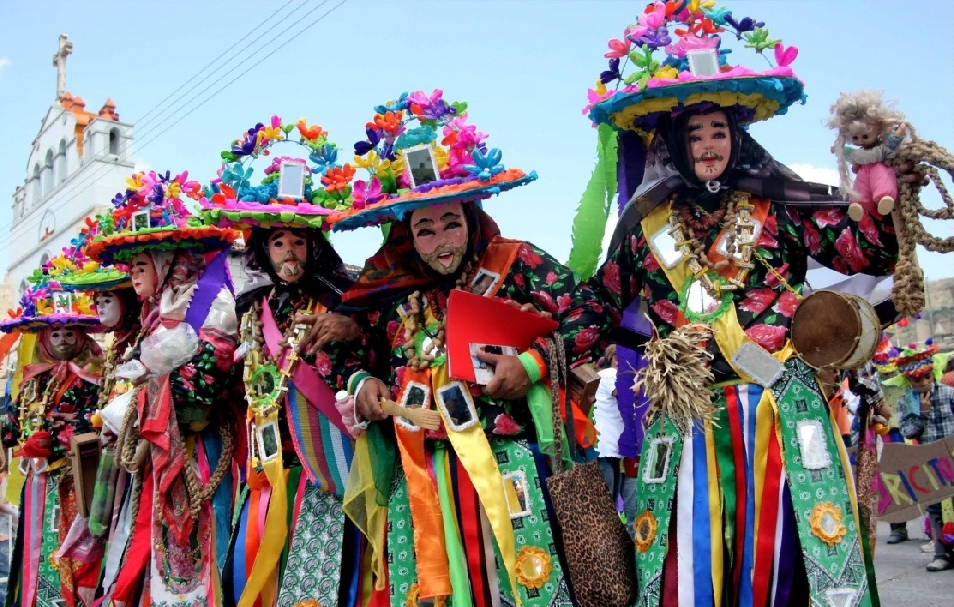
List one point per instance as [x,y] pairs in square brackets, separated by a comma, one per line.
[862,118]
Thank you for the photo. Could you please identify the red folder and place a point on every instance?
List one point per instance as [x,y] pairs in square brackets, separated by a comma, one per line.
[475,319]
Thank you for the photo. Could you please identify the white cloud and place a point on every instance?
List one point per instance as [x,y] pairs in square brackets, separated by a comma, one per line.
[810,172]
[4,62]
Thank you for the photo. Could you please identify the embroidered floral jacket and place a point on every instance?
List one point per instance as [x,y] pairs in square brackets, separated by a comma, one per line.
[765,307]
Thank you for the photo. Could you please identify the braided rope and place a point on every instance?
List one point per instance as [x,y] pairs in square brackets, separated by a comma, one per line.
[928,157]
[199,494]
[128,439]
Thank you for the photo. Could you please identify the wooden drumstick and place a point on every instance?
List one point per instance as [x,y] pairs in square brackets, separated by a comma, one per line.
[423,418]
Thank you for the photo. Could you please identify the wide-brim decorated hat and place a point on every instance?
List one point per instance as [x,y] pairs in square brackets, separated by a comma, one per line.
[916,360]
[298,192]
[75,271]
[420,151]
[47,304]
[151,215]
[673,58]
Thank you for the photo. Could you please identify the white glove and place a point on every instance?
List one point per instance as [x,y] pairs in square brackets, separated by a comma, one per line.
[175,301]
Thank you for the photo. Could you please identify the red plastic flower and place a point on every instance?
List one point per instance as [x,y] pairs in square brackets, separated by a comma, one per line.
[338,178]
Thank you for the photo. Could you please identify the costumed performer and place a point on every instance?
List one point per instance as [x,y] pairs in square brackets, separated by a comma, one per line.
[743,495]
[926,414]
[465,510]
[177,435]
[118,310]
[291,542]
[61,367]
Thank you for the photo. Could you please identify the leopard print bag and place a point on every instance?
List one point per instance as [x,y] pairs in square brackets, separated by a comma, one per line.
[600,556]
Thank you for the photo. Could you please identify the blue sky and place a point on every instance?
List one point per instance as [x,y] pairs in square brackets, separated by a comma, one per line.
[523,65]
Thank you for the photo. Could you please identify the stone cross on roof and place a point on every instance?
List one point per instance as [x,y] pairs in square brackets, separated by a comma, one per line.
[59,62]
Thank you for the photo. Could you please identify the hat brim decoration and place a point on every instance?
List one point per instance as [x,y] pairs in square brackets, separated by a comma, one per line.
[75,271]
[47,304]
[152,216]
[916,361]
[231,201]
[453,164]
[694,71]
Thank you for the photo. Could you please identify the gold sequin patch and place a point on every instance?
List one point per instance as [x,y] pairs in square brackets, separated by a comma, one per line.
[645,528]
[826,523]
[414,598]
[533,567]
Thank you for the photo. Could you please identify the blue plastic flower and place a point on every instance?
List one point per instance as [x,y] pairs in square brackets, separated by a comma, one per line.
[485,165]
[392,106]
[324,157]
[236,175]
[419,136]
[363,147]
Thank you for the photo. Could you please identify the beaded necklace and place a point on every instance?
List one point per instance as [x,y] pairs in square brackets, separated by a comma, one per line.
[739,228]
[424,339]
[264,382]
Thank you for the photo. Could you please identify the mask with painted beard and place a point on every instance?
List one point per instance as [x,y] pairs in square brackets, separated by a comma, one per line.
[445,259]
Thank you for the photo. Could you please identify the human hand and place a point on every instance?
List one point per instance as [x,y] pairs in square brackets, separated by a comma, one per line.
[529,308]
[368,401]
[325,328]
[510,379]
[175,301]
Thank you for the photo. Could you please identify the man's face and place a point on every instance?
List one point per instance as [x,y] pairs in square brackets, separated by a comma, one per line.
[63,342]
[142,270]
[440,236]
[109,308]
[710,144]
[923,384]
[287,250]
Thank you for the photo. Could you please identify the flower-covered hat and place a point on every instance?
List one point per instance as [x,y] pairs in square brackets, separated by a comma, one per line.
[916,360]
[294,192]
[75,271]
[421,151]
[47,304]
[151,215]
[673,57]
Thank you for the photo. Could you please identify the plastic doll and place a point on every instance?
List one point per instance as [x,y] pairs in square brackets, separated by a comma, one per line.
[869,132]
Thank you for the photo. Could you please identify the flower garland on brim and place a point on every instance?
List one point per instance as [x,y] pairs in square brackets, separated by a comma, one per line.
[75,271]
[453,162]
[47,304]
[232,201]
[151,215]
[649,86]
[914,361]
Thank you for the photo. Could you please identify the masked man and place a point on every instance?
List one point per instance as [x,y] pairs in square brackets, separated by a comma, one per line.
[466,510]
[292,543]
[743,496]
[56,400]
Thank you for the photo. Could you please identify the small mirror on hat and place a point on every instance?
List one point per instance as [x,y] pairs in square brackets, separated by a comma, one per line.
[291,180]
[62,302]
[421,165]
[140,220]
[703,61]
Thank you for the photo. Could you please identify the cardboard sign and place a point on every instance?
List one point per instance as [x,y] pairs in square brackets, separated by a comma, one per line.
[912,477]
[474,319]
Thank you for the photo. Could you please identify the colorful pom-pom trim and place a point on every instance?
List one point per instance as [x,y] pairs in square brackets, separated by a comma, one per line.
[122,247]
[459,190]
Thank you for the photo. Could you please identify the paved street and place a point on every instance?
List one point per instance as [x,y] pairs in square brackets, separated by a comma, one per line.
[902,577]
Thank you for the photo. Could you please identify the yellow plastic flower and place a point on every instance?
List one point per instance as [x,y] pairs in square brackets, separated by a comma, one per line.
[134,182]
[273,132]
[89,266]
[666,73]
[397,166]
[174,190]
[441,156]
[44,307]
[695,5]
[600,87]
[372,162]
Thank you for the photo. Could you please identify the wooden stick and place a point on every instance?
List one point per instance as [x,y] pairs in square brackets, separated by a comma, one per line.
[423,418]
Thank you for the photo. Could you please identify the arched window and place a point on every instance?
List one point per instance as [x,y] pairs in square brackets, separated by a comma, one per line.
[48,173]
[61,163]
[37,185]
[114,141]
